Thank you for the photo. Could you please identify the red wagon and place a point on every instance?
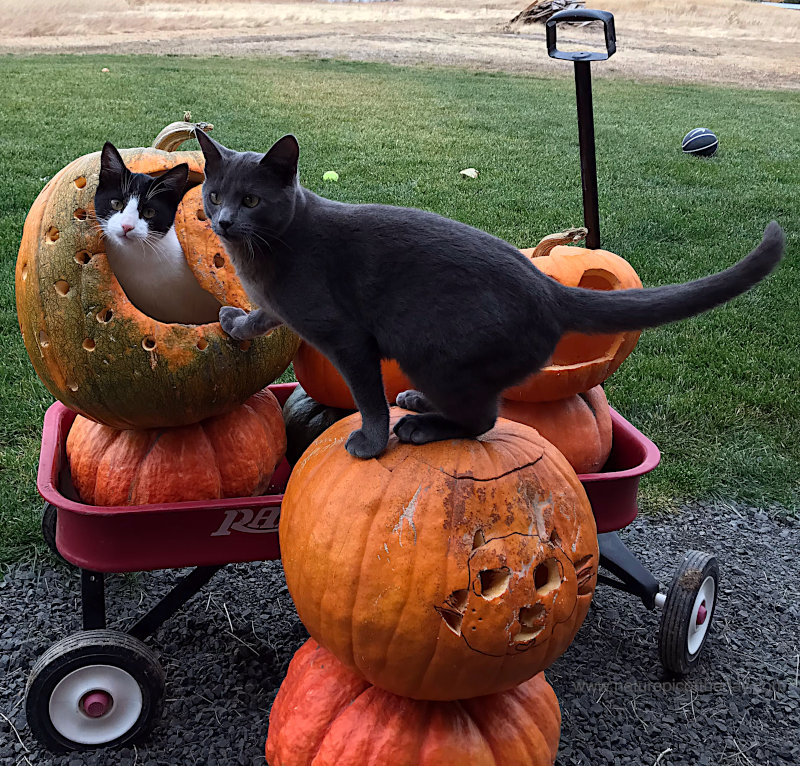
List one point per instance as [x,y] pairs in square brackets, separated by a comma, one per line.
[101,687]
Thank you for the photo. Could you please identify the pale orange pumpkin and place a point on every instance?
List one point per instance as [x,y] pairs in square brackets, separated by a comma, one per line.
[92,348]
[231,455]
[322,382]
[326,715]
[579,362]
[579,425]
[440,571]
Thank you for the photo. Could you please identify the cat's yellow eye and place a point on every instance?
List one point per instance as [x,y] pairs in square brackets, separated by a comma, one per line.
[214,197]
[250,200]
[116,204]
[148,212]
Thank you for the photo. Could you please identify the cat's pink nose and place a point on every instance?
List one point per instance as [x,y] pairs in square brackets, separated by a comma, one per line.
[126,227]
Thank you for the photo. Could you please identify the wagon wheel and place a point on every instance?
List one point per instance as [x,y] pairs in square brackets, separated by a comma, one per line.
[688,611]
[93,689]
[49,520]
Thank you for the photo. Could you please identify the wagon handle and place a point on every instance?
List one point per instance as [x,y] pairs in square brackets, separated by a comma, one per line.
[171,137]
[581,14]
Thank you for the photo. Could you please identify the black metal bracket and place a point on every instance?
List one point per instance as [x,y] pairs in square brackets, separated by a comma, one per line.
[581,14]
[93,600]
[629,573]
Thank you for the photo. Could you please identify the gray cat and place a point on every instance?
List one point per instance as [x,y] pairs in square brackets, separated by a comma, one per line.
[464,313]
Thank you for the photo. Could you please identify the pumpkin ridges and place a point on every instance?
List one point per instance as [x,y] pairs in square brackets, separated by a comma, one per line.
[396,739]
[324,715]
[119,468]
[451,734]
[320,687]
[87,443]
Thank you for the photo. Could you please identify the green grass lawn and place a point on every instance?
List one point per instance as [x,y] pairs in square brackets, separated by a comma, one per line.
[718,393]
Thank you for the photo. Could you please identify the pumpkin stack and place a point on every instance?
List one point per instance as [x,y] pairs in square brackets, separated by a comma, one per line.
[565,401]
[109,362]
[443,578]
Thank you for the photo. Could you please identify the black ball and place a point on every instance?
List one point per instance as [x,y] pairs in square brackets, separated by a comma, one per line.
[700,142]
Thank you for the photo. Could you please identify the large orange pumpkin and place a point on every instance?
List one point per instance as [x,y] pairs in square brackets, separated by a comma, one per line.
[579,361]
[440,571]
[231,455]
[322,382]
[579,425]
[92,348]
[325,715]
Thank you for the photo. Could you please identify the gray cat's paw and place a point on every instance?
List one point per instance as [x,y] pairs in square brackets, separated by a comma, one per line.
[414,400]
[231,320]
[414,429]
[360,445]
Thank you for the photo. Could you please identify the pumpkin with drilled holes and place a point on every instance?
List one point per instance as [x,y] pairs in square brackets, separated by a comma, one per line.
[230,455]
[322,382]
[92,348]
[325,715]
[579,425]
[579,361]
[440,571]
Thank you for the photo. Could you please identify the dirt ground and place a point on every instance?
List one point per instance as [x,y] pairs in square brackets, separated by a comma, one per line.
[734,42]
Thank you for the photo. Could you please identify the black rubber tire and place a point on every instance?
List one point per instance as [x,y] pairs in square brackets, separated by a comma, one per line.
[93,647]
[49,521]
[673,631]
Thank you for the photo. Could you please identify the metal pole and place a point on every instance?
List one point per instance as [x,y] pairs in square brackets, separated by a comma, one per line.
[591,207]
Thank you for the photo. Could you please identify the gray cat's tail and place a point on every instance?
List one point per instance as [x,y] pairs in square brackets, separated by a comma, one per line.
[599,311]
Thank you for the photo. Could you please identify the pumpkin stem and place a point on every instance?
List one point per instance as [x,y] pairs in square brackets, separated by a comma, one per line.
[171,137]
[567,237]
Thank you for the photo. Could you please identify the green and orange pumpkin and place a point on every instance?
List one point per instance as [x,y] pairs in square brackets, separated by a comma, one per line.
[326,715]
[230,455]
[440,571]
[98,353]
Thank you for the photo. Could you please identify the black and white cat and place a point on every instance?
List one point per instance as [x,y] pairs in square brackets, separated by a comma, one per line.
[137,215]
[464,313]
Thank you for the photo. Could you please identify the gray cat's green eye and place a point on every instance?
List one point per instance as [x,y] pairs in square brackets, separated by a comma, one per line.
[214,197]
[116,204]
[250,200]
[148,212]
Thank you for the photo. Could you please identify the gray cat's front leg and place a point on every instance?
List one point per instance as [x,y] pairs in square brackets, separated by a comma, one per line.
[241,325]
[360,366]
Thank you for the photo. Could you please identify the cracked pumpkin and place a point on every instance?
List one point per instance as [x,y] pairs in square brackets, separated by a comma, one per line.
[92,348]
[440,571]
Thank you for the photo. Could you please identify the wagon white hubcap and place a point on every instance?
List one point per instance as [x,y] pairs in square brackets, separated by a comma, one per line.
[699,622]
[111,691]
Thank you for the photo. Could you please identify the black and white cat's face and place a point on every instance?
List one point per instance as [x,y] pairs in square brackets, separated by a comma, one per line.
[249,196]
[133,208]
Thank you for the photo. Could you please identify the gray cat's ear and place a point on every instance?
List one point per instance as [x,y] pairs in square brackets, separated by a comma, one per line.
[212,150]
[283,157]
[112,166]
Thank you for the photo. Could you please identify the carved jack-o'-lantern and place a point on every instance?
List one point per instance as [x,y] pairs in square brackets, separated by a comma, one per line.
[92,348]
[444,570]
[579,361]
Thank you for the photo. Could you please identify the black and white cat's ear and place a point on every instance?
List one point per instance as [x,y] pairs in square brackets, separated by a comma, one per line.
[173,181]
[283,157]
[213,151]
[112,166]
